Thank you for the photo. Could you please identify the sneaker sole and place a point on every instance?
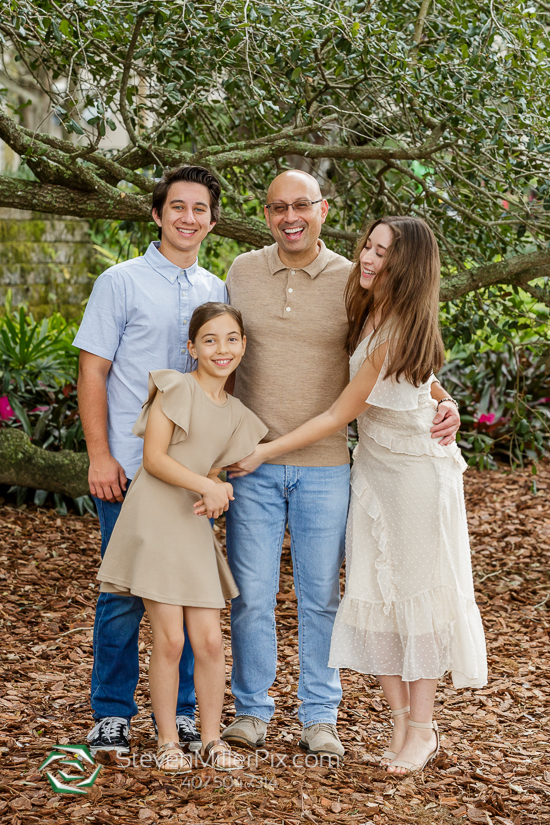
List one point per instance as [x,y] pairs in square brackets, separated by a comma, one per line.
[109,749]
[193,746]
[245,743]
[305,747]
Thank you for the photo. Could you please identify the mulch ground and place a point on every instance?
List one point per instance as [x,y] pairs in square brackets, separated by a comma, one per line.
[495,761]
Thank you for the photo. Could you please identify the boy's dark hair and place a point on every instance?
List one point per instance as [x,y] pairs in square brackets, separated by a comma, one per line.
[189,174]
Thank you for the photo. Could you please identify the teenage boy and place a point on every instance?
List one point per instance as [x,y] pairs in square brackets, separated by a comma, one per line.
[291,296]
[137,320]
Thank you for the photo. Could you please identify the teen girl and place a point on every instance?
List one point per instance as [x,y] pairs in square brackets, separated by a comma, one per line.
[160,551]
[408,614]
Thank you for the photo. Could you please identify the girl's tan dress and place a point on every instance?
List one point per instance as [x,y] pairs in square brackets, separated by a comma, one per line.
[159,549]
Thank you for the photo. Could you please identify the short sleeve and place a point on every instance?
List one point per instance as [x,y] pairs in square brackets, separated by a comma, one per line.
[176,401]
[392,394]
[245,437]
[104,319]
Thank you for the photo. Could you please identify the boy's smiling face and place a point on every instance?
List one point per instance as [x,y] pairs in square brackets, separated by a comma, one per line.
[186,218]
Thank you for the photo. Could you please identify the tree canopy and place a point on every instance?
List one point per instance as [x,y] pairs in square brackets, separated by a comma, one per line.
[418,107]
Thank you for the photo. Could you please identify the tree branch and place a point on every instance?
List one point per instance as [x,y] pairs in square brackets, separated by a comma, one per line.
[125,78]
[517,271]
[22,463]
[541,295]
[282,148]
[421,20]
[59,200]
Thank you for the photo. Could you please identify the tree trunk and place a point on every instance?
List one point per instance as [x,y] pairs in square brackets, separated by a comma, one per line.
[29,466]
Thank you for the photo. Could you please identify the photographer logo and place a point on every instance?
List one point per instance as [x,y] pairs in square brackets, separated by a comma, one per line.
[68,759]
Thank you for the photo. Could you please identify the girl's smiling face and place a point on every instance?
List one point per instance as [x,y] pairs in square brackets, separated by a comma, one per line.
[372,255]
[218,346]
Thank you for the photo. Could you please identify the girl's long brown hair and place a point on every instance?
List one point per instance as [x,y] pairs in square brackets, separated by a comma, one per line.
[405,294]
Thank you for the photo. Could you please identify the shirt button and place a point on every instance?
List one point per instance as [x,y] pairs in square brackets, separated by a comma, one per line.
[293,272]
[290,289]
[182,271]
[288,309]
[185,320]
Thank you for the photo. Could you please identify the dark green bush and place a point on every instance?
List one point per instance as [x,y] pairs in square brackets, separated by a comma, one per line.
[38,371]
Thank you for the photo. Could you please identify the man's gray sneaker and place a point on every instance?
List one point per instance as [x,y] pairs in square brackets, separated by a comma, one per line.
[322,738]
[247,731]
[111,733]
[187,733]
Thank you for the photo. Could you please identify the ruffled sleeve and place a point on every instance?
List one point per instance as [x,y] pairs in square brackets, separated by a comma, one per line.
[395,395]
[176,401]
[244,439]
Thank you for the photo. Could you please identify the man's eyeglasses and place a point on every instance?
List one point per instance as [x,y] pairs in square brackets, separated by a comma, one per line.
[301,206]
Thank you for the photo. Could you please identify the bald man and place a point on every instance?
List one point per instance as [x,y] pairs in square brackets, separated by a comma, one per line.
[291,296]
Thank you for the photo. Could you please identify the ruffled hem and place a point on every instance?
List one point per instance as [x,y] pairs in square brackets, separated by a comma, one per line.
[433,633]
[413,444]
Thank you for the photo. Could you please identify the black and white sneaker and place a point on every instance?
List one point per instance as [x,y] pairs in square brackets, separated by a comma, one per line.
[110,734]
[187,733]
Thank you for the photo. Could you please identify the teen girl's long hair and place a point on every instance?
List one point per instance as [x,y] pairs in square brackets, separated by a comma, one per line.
[405,294]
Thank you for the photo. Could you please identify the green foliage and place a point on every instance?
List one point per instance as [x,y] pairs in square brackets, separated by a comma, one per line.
[498,368]
[504,399]
[38,369]
[116,241]
[443,117]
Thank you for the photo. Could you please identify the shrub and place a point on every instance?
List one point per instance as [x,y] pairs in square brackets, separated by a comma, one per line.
[38,370]
[498,370]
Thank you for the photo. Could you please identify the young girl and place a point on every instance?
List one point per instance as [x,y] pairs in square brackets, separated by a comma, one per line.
[160,551]
[408,614]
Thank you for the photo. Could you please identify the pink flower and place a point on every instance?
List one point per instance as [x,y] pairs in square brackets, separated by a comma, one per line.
[6,411]
[487,418]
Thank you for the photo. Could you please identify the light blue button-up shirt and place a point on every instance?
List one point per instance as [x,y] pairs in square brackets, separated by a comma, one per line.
[138,317]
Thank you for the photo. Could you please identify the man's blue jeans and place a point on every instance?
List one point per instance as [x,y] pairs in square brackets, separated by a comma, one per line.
[314,503]
[116,636]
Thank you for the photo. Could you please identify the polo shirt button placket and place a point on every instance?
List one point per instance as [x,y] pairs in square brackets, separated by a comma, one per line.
[289,292]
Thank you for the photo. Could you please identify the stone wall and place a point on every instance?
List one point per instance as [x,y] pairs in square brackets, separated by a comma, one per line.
[47,261]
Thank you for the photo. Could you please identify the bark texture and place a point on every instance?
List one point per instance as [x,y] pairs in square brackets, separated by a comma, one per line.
[28,466]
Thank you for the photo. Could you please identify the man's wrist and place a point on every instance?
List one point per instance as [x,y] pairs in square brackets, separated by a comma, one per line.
[99,455]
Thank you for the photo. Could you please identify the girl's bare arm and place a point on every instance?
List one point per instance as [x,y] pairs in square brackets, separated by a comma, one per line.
[346,408]
[157,462]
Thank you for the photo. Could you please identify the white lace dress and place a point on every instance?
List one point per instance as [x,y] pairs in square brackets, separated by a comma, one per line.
[409,607]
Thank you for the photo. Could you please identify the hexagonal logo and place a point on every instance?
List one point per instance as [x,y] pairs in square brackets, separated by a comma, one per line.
[74,757]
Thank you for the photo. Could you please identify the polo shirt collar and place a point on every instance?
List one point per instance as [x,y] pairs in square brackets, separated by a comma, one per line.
[313,269]
[166,268]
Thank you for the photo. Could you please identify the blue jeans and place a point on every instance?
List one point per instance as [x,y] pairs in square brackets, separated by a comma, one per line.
[116,635]
[314,503]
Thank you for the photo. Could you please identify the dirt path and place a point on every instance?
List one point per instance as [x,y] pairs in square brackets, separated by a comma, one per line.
[495,760]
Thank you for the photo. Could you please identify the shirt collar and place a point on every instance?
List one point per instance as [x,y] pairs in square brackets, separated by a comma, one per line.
[313,269]
[166,268]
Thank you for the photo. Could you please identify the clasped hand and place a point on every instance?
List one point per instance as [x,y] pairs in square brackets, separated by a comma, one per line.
[215,499]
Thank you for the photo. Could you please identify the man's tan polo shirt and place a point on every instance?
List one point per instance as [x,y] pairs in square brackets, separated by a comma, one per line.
[295,365]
